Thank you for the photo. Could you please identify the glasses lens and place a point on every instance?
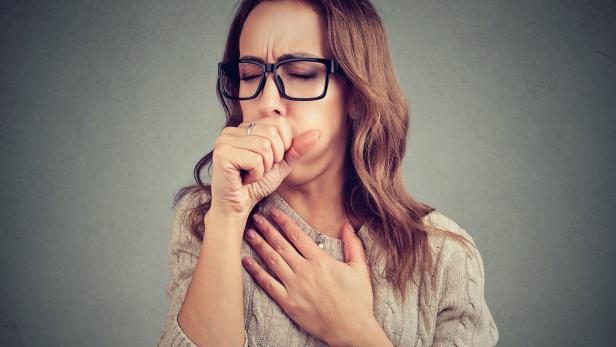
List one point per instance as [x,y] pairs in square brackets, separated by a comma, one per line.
[300,79]
[241,80]
[303,79]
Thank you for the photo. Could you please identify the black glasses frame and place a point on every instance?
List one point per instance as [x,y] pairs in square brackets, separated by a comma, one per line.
[332,67]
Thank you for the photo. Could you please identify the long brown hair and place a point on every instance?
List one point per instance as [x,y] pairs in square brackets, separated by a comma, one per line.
[374,190]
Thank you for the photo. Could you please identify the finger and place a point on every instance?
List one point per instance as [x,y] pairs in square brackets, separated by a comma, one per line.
[301,144]
[239,159]
[259,145]
[274,288]
[286,135]
[270,257]
[352,246]
[306,246]
[277,241]
[274,132]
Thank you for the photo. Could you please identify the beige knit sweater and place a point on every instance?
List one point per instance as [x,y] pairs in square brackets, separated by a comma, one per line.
[449,311]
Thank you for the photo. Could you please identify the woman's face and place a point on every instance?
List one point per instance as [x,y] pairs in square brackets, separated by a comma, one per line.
[274,28]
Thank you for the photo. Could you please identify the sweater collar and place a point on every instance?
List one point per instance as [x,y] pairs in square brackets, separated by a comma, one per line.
[332,245]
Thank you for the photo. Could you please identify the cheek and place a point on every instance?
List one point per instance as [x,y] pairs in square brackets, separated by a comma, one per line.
[333,137]
[327,114]
[330,122]
[247,114]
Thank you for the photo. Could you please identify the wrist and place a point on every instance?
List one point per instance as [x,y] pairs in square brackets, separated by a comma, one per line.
[233,219]
[225,225]
[367,335]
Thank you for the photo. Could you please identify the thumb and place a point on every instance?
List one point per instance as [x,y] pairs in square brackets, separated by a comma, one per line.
[353,247]
[300,145]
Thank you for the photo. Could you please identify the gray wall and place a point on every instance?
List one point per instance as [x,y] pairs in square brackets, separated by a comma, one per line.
[106,107]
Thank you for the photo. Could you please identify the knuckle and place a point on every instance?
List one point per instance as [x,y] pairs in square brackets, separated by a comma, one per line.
[225,146]
[218,153]
[294,235]
[306,276]
[271,130]
[265,144]
[268,285]
[256,157]
[257,242]
[272,259]
[320,263]
[291,307]
[256,245]
[259,276]
[264,227]
[262,224]
[215,153]
[280,247]
[283,221]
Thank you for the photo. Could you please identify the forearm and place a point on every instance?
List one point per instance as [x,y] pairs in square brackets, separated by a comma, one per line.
[212,311]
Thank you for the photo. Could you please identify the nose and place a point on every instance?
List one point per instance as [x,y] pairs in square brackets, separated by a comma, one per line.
[270,100]
[270,89]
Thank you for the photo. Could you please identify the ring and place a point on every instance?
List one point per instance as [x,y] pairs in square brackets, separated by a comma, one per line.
[250,126]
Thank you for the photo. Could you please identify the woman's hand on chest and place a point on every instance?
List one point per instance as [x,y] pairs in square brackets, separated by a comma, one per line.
[330,299]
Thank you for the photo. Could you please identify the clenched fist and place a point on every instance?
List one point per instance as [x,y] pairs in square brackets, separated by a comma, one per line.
[247,168]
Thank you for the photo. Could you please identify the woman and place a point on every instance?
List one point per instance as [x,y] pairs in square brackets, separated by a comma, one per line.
[315,133]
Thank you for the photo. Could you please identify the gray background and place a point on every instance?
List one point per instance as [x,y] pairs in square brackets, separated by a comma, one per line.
[107,106]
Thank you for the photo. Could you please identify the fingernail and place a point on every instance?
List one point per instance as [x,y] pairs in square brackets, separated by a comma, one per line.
[257,219]
[275,212]
[247,261]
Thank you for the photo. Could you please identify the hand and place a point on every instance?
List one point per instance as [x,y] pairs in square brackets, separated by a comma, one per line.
[269,154]
[328,298]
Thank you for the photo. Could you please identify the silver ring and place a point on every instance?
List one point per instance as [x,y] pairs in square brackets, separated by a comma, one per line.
[250,126]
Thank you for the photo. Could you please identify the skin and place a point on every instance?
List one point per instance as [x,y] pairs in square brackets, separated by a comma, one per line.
[331,300]
[328,298]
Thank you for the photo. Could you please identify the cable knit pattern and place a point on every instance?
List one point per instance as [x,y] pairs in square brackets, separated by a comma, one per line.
[463,317]
[449,310]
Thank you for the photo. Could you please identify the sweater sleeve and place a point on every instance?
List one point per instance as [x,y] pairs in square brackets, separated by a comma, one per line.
[463,317]
[183,252]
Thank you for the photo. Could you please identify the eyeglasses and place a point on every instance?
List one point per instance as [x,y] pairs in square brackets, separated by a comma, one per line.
[300,79]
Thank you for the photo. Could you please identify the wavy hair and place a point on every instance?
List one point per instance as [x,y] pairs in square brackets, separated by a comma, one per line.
[374,190]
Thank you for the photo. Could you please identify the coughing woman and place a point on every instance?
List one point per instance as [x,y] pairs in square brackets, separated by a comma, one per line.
[305,235]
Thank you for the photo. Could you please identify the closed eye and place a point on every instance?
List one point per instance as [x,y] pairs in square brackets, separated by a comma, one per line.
[305,77]
[248,78]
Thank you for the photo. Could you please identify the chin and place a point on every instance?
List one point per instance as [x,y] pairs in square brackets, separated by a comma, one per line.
[298,176]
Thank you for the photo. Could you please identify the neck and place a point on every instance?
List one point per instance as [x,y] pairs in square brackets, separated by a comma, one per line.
[319,203]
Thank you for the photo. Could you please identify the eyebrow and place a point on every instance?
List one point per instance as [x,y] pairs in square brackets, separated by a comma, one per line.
[284,56]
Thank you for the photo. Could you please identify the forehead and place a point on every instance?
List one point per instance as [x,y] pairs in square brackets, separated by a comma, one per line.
[274,28]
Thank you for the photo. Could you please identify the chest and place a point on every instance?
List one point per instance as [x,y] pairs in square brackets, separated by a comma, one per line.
[268,325]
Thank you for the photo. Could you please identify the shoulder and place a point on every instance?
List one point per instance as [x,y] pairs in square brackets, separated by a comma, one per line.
[453,260]
[446,246]
[457,288]
[454,265]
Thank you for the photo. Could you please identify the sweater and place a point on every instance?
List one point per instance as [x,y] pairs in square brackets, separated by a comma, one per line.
[450,309]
